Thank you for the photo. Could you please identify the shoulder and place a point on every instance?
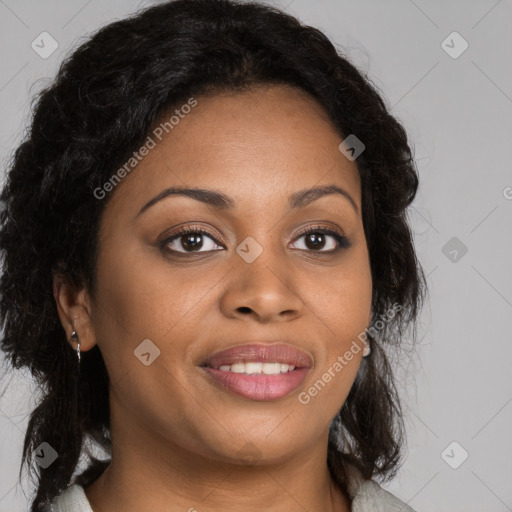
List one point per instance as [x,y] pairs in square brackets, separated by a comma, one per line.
[72,499]
[369,496]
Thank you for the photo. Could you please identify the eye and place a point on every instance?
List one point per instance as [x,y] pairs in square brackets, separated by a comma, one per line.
[316,239]
[191,239]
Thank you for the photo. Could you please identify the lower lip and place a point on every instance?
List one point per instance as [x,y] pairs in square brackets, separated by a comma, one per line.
[259,386]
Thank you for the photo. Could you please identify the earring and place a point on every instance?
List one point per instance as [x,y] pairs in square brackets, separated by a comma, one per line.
[74,336]
[366,349]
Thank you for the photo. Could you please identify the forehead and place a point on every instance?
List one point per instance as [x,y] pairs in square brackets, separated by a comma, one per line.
[257,146]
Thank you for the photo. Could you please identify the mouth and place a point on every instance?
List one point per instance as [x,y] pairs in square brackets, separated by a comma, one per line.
[258,371]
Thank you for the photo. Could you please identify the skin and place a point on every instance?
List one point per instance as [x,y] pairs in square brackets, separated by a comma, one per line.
[178,440]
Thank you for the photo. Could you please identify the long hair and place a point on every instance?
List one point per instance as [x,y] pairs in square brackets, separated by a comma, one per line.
[105,100]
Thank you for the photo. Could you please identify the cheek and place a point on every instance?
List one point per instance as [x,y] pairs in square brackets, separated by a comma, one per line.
[345,297]
[141,297]
[139,300]
[342,310]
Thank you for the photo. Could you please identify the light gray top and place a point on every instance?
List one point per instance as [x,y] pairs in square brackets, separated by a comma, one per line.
[366,496]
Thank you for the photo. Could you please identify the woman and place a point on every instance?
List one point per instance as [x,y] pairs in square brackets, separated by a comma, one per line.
[206,254]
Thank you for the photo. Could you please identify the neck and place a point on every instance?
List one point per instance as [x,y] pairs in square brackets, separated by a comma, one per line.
[149,473]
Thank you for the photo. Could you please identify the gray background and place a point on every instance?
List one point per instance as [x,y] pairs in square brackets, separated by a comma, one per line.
[458,113]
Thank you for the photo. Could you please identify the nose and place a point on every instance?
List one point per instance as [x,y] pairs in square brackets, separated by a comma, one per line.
[267,288]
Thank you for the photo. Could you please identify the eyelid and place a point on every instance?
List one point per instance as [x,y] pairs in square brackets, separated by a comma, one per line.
[320,227]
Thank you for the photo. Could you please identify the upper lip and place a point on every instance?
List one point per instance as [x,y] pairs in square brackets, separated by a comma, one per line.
[260,351]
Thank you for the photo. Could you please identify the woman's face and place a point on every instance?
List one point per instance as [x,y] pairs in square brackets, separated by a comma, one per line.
[252,278]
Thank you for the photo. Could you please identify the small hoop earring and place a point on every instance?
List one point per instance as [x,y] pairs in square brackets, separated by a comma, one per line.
[74,336]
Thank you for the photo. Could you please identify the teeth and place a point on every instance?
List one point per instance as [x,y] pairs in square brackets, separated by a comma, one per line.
[253,367]
[258,368]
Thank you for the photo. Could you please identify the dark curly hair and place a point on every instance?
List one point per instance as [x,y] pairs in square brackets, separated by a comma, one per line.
[107,96]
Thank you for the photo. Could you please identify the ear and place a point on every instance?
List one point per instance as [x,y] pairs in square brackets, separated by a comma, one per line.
[74,309]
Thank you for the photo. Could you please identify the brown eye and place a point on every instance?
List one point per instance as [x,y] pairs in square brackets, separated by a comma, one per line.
[190,240]
[316,238]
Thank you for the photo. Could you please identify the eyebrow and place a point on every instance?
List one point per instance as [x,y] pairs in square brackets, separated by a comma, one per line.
[221,201]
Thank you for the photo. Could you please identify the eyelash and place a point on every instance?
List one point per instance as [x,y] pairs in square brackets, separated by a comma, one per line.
[343,241]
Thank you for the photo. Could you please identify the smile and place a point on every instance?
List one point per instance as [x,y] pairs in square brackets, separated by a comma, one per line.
[262,372]
[258,368]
